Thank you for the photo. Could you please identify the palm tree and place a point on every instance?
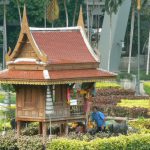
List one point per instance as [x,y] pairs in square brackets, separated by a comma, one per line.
[74,14]
[111,6]
[147,66]
[19,12]
[131,34]
[144,2]
[66,12]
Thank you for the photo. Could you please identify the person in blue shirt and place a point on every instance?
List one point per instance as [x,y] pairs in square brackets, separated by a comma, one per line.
[99,119]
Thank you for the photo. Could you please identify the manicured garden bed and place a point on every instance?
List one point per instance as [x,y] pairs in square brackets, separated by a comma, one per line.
[103,85]
[142,103]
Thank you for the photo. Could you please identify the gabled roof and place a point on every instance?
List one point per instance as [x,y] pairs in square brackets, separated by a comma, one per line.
[46,77]
[67,45]
[52,56]
[64,45]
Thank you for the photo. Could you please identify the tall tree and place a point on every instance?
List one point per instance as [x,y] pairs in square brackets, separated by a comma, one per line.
[148,55]
[74,14]
[53,11]
[133,4]
[111,6]
[131,33]
[66,13]
[19,12]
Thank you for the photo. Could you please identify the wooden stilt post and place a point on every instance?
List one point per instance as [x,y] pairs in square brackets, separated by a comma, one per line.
[18,128]
[44,131]
[60,127]
[66,128]
[40,127]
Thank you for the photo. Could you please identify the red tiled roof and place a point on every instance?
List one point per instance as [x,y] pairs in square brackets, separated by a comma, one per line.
[54,75]
[63,46]
[70,74]
[20,74]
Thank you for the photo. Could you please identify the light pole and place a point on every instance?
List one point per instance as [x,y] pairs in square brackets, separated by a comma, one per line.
[138,58]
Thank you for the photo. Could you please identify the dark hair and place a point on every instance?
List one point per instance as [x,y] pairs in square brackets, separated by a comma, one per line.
[95,107]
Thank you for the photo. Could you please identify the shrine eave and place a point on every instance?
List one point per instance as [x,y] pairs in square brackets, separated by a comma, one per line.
[46,77]
[52,82]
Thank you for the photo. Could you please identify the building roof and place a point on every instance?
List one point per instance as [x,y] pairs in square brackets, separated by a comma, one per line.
[46,77]
[45,56]
[64,45]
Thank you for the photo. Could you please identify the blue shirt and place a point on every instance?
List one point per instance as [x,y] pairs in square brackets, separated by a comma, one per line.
[99,118]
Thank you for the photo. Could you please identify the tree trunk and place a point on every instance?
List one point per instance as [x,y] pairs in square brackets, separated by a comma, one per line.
[19,12]
[88,22]
[147,66]
[74,14]
[66,12]
[131,34]
[110,42]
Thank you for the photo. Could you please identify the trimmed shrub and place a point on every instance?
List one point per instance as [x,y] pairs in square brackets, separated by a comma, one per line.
[66,144]
[140,142]
[109,144]
[140,124]
[132,142]
[29,131]
[8,142]
[30,143]
[147,87]
[118,111]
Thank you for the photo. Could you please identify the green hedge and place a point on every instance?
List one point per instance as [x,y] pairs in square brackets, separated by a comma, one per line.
[10,142]
[147,87]
[30,143]
[132,142]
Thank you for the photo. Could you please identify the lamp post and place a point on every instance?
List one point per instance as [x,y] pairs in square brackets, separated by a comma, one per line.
[138,57]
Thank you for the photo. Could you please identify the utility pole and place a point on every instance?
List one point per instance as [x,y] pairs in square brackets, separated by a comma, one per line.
[4,35]
[138,58]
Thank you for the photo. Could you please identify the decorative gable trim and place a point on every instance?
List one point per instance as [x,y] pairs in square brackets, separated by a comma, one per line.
[54,29]
[88,45]
[26,31]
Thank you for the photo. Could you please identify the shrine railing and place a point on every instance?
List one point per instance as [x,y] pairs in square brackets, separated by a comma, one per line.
[64,111]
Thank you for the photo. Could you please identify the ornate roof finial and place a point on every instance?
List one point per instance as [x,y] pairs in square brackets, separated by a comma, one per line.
[24,19]
[80,19]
